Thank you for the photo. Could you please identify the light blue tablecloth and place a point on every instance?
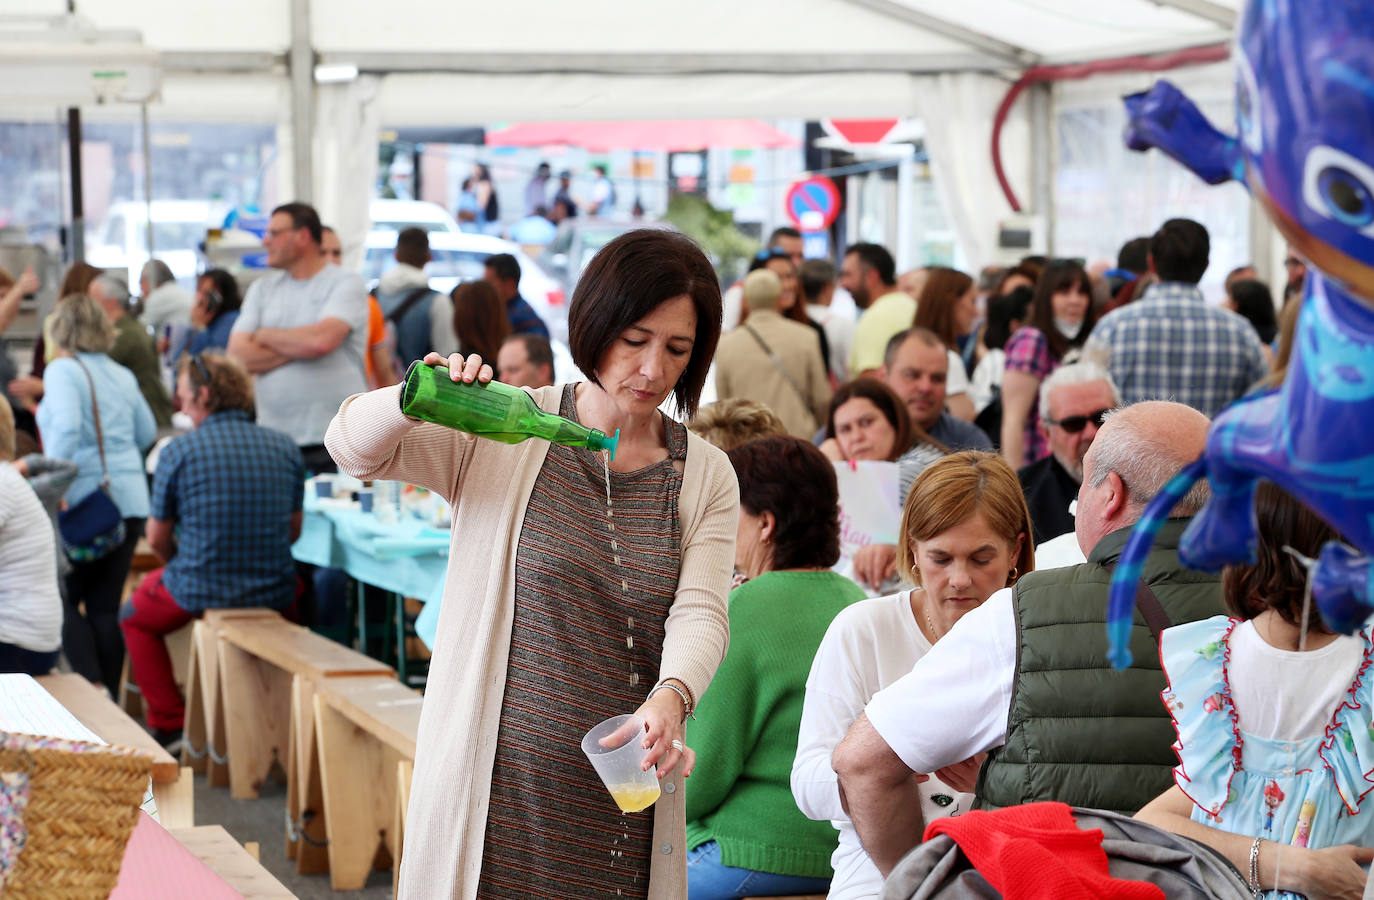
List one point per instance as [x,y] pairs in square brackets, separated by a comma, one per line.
[405,557]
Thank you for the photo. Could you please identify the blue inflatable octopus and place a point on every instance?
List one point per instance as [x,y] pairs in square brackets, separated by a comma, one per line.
[1305,150]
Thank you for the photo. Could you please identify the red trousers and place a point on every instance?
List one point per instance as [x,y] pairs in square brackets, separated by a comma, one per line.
[149,614]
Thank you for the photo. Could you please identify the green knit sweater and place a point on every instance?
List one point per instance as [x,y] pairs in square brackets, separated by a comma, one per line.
[745,731]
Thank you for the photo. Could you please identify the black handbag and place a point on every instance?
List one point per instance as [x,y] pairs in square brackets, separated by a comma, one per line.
[94,527]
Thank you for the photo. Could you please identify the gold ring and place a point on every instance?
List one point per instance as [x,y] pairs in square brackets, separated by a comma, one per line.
[677,745]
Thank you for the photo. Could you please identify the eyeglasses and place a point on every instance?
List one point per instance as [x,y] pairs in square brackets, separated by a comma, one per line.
[1075,424]
[1293,261]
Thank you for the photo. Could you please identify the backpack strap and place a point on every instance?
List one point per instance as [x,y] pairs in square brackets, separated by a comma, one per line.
[405,305]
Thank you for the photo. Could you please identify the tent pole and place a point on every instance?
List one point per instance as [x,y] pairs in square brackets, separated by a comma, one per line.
[906,208]
[1042,158]
[147,178]
[77,245]
[301,64]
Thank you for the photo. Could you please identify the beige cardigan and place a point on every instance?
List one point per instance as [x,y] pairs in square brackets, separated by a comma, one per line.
[489,485]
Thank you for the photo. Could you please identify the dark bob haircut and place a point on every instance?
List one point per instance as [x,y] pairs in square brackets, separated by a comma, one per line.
[626,281]
[791,479]
[1277,580]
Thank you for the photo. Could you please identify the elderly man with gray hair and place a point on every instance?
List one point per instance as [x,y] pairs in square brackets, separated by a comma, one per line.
[1024,678]
[164,301]
[774,360]
[133,346]
[1074,400]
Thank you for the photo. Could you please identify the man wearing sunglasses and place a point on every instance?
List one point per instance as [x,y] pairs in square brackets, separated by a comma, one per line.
[1073,402]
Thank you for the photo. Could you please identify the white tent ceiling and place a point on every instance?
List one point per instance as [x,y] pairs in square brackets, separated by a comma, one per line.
[530,59]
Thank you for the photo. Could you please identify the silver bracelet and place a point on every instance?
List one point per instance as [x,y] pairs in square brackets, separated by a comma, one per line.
[1254,868]
[686,703]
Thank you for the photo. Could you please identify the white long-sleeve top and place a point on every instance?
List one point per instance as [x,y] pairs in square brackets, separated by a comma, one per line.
[867,647]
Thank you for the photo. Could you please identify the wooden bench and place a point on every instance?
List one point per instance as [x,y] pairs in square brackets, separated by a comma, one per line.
[269,672]
[236,864]
[92,707]
[365,733]
[203,739]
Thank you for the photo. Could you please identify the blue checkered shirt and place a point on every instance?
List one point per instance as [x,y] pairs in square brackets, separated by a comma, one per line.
[1170,345]
[231,487]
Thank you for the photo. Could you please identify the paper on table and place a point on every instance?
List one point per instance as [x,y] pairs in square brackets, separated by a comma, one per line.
[26,708]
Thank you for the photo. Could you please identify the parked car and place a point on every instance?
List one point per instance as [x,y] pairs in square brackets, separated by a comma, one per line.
[395,215]
[461,256]
[120,243]
[577,241]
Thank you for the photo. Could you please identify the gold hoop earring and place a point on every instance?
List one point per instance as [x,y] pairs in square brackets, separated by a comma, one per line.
[1012,576]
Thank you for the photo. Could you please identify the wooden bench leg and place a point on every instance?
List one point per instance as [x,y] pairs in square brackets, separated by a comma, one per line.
[304,794]
[195,727]
[176,801]
[256,704]
[359,778]
[404,770]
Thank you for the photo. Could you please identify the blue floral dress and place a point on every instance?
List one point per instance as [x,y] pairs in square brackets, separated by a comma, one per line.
[1305,793]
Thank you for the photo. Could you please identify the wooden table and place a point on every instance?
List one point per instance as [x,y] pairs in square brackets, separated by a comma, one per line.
[217,848]
[92,706]
[365,731]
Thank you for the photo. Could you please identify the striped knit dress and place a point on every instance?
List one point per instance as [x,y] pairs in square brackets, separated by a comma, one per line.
[584,648]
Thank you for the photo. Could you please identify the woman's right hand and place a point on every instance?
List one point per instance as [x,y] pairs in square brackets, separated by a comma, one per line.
[462,368]
[830,449]
[875,564]
[1333,872]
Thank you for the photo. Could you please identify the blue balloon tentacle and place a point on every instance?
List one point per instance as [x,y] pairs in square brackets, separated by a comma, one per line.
[1121,599]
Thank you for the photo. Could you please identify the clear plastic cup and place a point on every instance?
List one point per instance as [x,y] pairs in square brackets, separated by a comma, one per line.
[619,761]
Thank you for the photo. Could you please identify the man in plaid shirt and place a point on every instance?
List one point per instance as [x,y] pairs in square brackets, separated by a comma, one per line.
[231,491]
[1170,344]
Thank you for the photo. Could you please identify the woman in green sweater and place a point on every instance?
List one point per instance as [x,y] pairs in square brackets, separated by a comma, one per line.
[745,835]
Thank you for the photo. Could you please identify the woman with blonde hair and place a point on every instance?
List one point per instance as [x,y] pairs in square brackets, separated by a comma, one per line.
[965,533]
[94,415]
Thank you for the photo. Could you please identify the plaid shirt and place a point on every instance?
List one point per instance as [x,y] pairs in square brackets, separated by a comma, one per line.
[1028,352]
[231,487]
[1170,345]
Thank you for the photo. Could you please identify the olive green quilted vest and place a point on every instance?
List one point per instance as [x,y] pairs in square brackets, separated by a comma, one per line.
[1080,732]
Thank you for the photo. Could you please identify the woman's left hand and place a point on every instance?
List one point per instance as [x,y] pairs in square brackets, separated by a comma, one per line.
[663,714]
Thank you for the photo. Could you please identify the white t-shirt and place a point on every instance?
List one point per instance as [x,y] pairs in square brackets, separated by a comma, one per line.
[955,700]
[839,334]
[30,605]
[956,381]
[1273,690]
[867,647]
[302,396]
[987,379]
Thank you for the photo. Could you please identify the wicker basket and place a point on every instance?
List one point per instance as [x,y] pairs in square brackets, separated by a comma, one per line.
[67,811]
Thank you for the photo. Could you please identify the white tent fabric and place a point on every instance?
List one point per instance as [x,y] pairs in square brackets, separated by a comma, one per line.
[456,64]
[346,127]
[958,110]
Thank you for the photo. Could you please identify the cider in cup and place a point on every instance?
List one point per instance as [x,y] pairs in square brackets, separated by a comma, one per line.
[615,748]
[634,797]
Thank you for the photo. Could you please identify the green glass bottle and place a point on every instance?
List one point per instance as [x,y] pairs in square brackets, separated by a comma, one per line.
[493,410]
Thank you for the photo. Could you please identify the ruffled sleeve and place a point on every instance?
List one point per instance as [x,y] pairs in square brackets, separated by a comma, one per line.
[1195,658]
[1348,746]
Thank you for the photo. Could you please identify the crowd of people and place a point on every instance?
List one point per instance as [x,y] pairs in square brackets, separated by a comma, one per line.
[831,694]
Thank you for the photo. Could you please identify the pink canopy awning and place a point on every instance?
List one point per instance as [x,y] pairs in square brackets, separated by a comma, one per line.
[653,134]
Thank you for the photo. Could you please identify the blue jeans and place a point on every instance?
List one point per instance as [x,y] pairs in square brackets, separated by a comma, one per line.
[707,879]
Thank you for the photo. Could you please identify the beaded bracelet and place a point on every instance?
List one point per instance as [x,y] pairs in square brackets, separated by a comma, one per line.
[1254,868]
[687,705]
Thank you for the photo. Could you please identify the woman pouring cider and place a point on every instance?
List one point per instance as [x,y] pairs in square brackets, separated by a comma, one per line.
[565,606]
